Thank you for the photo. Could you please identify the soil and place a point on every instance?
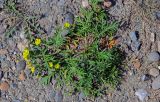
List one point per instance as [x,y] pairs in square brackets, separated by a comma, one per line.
[134,15]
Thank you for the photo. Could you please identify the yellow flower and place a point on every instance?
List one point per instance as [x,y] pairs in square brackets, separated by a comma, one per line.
[29,64]
[50,64]
[32,69]
[37,41]
[57,66]
[25,54]
[67,25]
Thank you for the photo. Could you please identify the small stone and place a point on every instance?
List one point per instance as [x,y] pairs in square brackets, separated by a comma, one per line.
[21,65]
[158,15]
[13,65]
[2,57]
[58,97]
[133,36]
[137,64]
[107,3]
[142,94]
[4,86]
[2,3]
[145,77]
[156,83]
[14,85]
[154,72]
[159,46]
[152,37]
[69,17]
[81,97]
[136,45]
[85,3]
[16,100]
[153,56]
[22,76]
[3,51]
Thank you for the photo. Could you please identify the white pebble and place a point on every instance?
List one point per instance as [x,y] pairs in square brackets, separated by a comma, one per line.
[85,3]
[152,37]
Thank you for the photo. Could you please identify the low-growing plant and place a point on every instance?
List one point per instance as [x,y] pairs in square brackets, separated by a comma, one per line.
[21,19]
[85,60]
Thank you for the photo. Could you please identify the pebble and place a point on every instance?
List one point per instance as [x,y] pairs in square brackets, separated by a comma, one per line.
[142,94]
[156,83]
[1,3]
[14,85]
[137,64]
[21,65]
[22,76]
[145,77]
[13,64]
[3,51]
[158,15]
[154,72]
[136,45]
[152,37]
[69,17]
[58,97]
[2,57]
[85,3]
[4,86]
[153,56]
[133,36]
[81,97]
[16,100]
[159,46]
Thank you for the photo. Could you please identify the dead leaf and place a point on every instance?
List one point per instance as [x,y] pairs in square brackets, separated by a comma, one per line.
[137,64]
[4,86]
[3,51]
[22,76]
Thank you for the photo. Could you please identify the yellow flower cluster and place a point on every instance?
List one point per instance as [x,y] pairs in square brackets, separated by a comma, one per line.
[25,55]
[37,41]
[56,66]
[50,64]
[67,25]
[30,66]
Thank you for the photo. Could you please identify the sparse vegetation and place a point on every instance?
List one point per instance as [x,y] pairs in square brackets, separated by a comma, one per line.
[85,60]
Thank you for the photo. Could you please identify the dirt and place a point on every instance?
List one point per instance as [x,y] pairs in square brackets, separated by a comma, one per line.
[133,15]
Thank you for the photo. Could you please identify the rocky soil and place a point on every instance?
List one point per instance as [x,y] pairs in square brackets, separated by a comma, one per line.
[139,36]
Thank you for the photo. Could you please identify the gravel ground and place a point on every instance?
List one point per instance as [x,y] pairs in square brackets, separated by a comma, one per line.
[139,35]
